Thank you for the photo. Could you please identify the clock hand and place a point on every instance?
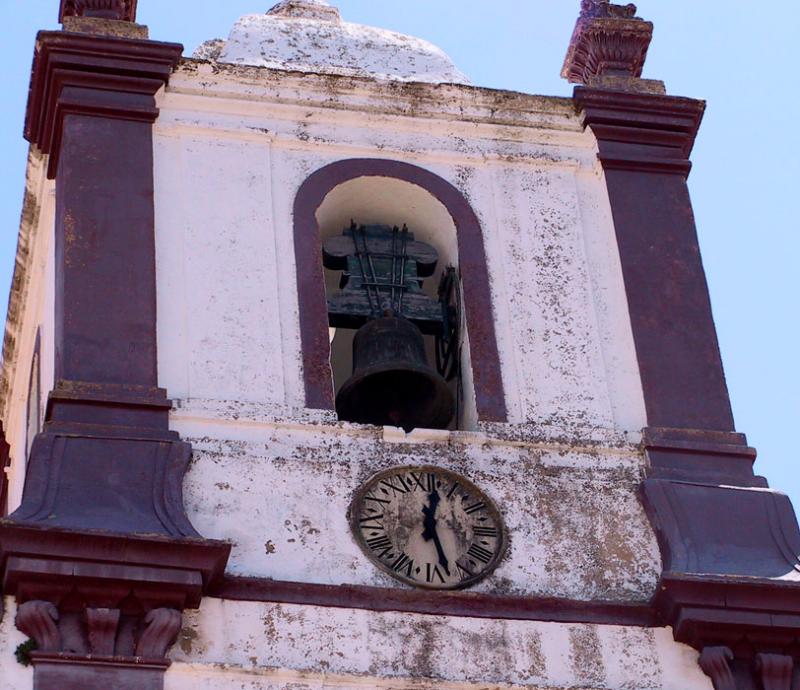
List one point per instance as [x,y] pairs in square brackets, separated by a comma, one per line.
[429,528]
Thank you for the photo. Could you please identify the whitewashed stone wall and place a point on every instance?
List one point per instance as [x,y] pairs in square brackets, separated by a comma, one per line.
[281,492]
[246,645]
[30,311]
[233,145]
[13,675]
[261,646]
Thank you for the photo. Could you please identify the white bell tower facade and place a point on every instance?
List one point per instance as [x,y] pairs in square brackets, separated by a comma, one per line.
[563,529]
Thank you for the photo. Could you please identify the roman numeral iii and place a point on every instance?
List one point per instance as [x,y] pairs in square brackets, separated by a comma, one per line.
[479,553]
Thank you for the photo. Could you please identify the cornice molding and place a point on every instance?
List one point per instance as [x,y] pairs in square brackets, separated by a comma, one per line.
[93,75]
[456,604]
[231,88]
[641,132]
[40,563]
[700,455]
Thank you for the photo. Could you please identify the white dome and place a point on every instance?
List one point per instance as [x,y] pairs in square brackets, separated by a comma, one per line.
[309,36]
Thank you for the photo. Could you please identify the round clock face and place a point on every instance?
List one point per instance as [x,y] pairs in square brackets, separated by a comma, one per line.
[428,527]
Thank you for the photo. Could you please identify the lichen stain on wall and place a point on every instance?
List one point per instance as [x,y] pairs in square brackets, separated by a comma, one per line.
[586,656]
[575,526]
[275,645]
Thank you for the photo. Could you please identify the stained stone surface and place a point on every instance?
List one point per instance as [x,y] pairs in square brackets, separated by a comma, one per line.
[264,646]
[309,36]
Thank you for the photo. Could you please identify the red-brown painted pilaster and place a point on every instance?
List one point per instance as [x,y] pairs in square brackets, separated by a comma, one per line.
[100,555]
[644,141]
[105,252]
[91,108]
[726,544]
[729,546]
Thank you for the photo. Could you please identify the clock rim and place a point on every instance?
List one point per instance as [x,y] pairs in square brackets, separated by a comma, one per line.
[358,497]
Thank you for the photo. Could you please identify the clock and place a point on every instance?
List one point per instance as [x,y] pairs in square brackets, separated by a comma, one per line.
[428,527]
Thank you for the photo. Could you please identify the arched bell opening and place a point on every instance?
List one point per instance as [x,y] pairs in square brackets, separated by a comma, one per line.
[389,203]
[325,204]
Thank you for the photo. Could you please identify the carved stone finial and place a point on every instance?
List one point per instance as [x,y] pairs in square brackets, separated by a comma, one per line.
[37,619]
[124,10]
[604,8]
[609,43]
[715,664]
[161,631]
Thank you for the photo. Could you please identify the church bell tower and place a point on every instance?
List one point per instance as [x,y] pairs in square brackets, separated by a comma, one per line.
[325,368]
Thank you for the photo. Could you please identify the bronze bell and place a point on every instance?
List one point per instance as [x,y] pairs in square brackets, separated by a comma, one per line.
[392,382]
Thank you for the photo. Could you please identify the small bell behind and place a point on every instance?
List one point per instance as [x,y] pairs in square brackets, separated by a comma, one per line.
[392,383]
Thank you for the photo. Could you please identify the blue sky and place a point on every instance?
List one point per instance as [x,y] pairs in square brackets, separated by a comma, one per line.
[746,161]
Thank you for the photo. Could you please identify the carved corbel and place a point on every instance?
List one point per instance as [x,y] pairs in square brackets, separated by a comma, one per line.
[161,631]
[101,626]
[775,671]
[715,662]
[41,621]
[38,620]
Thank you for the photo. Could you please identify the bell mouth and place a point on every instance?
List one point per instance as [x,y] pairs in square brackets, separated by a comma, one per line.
[392,383]
[409,398]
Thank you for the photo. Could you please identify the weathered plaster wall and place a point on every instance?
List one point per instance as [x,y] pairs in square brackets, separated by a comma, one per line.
[333,46]
[281,492]
[262,646]
[266,646]
[233,146]
[13,675]
[30,309]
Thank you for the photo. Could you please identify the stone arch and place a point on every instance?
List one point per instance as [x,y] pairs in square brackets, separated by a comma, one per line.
[486,372]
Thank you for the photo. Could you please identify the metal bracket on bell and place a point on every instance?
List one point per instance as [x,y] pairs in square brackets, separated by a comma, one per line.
[448,345]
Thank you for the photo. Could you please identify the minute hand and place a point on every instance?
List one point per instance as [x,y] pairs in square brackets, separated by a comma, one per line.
[429,528]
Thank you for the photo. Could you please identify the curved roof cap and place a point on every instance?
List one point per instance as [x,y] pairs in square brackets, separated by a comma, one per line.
[310,36]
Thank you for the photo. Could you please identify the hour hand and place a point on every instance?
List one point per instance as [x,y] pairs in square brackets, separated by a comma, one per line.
[429,528]
[429,523]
